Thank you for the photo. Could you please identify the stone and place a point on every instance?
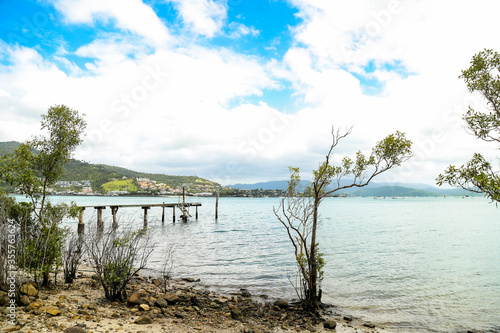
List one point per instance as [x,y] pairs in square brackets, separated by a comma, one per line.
[28,289]
[53,311]
[24,300]
[74,329]
[236,314]
[281,303]
[195,301]
[158,282]
[245,293]
[144,307]
[35,305]
[143,320]
[190,279]
[171,298]
[330,324]
[12,328]
[161,303]
[135,299]
[348,318]
[186,298]
[369,325]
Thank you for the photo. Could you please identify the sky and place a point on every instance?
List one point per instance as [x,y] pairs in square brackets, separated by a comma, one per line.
[236,91]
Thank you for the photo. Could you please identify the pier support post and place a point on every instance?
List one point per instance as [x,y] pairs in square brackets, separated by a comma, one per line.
[100,222]
[217,206]
[196,212]
[145,215]
[81,225]
[163,214]
[173,214]
[114,209]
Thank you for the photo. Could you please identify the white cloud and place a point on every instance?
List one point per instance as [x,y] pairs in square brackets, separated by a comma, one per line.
[203,17]
[238,30]
[165,109]
[129,15]
[337,38]
[185,109]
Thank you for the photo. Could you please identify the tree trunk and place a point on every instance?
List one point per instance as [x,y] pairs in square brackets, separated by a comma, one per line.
[45,281]
[312,298]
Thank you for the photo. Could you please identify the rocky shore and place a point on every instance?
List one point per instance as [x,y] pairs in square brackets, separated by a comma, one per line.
[184,307]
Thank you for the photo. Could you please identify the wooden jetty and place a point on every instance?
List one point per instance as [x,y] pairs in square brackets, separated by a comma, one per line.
[182,206]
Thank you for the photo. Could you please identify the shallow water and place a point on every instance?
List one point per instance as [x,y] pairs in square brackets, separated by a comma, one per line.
[416,264]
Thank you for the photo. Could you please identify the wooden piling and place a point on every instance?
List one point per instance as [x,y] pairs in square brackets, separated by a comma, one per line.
[100,222]
[217,206]
[114,209]
[81,225]
[196,216]
[163,214]
[173,213]
[145,215]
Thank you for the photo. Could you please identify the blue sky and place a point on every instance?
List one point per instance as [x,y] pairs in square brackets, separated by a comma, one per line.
[238,90]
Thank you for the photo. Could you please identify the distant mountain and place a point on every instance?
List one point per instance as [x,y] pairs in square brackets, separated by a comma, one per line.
[271,185]
[392,191]
[373,189]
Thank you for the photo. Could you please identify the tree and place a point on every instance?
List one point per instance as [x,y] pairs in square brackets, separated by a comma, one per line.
[478,175]
[299,210]
[32,168]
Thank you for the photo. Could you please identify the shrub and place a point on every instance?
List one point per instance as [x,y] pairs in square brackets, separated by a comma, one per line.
[116,256]
[71,255]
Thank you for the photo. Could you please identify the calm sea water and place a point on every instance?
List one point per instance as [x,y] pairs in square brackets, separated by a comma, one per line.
[415,264]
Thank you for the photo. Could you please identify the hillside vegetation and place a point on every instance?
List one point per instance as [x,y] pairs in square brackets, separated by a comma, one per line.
[129,185]
[105,178]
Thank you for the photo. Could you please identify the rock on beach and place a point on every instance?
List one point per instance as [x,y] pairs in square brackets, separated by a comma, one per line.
[143,320]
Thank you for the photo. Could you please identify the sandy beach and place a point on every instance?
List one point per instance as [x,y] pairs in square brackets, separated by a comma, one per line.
[185,307]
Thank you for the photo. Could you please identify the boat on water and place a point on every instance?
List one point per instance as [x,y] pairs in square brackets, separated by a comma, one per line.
[378,197]
[397,197]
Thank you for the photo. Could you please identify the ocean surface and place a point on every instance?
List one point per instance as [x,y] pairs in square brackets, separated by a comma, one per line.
[410,265]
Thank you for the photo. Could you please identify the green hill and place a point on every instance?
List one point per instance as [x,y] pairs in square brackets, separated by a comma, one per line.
[101,174]
[8,147]
[172,181]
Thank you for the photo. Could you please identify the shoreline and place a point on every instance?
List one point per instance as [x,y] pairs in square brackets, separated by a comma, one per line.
[186,307]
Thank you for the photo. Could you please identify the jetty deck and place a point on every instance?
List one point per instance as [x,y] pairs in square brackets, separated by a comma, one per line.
[182,206]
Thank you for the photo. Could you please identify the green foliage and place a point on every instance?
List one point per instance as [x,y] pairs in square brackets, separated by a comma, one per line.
[478,174]
[39,163]
[32,168]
